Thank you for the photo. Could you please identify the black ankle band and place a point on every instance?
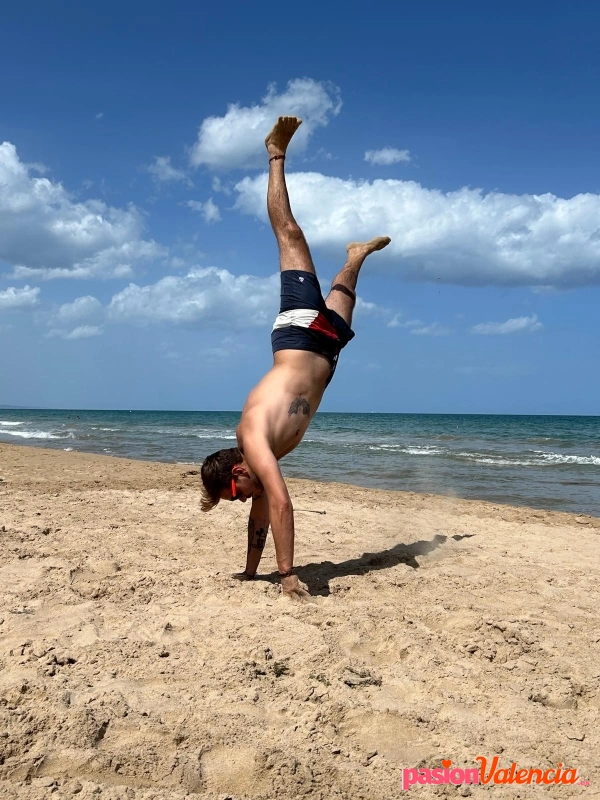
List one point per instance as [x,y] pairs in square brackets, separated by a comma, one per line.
[276,158]
[286,574]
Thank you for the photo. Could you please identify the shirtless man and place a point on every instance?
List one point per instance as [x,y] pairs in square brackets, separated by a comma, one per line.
[307,337]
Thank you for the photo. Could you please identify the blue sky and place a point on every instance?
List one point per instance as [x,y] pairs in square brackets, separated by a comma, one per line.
[136,261]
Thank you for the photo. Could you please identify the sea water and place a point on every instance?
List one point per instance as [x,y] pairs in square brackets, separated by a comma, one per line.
[549,462]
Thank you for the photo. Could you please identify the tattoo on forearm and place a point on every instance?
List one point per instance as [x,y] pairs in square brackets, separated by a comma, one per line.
[256,538]
[250,532]
[299,404]
[261,538]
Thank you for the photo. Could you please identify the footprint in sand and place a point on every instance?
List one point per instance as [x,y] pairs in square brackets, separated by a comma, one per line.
[388,734]
[232,770]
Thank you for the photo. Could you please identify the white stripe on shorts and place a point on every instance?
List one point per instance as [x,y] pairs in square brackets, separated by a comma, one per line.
[301,317]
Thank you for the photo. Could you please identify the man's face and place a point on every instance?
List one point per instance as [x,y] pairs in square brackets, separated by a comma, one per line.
[243,486]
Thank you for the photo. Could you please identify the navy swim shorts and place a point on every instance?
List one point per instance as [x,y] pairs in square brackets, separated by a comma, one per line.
[304,321]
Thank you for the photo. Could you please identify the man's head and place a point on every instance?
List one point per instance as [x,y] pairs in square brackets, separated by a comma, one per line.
[226,476]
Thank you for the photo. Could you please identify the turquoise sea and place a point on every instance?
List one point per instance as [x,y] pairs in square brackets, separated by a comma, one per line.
[546,462]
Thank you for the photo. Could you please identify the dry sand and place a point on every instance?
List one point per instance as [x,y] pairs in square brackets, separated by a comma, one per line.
[133,666]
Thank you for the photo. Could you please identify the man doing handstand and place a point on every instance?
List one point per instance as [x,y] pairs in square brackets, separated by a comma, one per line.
[307,337]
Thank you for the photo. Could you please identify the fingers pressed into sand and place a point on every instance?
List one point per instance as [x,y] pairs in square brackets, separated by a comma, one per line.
[279,138]
[294,590]
[378,243]
[299,596]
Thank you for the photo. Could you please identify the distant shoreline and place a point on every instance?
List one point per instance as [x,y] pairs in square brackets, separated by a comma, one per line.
[239,411]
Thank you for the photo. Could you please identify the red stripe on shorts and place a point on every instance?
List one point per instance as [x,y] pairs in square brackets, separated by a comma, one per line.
[322,324]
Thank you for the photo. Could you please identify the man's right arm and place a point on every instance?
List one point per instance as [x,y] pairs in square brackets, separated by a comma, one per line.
[265,466]
[263,463]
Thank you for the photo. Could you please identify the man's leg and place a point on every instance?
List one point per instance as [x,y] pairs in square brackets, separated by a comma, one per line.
[293,249]
[342,297]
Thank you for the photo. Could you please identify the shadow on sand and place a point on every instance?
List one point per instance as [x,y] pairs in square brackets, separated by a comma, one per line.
[317,576]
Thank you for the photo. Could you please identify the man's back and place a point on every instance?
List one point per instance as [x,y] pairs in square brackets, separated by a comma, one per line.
[281,406]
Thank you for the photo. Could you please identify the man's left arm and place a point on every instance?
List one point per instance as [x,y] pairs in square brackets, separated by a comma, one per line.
[258,528]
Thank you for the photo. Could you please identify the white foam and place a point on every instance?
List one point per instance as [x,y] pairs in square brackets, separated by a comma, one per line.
[427,450]
[68,449]
[198,433]
[504,462]
[37,434]
[558,458]
[212,436]
[542,459]
[9,422]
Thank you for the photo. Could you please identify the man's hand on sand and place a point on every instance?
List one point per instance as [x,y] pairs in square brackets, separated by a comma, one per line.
[293,589]
[242,576]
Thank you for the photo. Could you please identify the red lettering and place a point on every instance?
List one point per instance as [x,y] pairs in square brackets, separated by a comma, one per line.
[538,775]
[573,778]
[501,776]
[493,766]
[522,775]
[547,779]
[558,773]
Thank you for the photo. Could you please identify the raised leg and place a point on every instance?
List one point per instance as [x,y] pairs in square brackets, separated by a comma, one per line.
[342,297]
[293,249]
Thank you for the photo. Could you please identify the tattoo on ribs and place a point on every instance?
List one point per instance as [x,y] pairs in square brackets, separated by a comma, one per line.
[299,404]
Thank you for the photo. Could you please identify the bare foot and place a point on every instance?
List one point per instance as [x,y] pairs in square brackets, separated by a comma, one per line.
[366,248]
[279,138]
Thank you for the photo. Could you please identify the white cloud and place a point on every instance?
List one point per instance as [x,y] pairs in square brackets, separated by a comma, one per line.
[13,297]
[44,232]
[435,329]
[82,332]
[464,237]
[209,210]
[387,156]
[367,307]
[207,297]
[163,171]
[236,140]
[321,155]
[99,115]
[516,325]
[397,322]
[203,298]
[219,186]
[81,308]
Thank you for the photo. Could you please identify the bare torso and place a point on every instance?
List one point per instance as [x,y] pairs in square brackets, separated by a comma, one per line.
[282,405]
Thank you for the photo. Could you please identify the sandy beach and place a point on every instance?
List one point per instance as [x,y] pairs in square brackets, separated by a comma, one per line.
[133,666]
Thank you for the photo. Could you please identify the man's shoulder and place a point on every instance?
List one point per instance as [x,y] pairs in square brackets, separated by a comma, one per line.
[254,433]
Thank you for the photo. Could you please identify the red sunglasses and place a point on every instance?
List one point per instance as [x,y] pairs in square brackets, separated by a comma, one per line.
[233,489]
